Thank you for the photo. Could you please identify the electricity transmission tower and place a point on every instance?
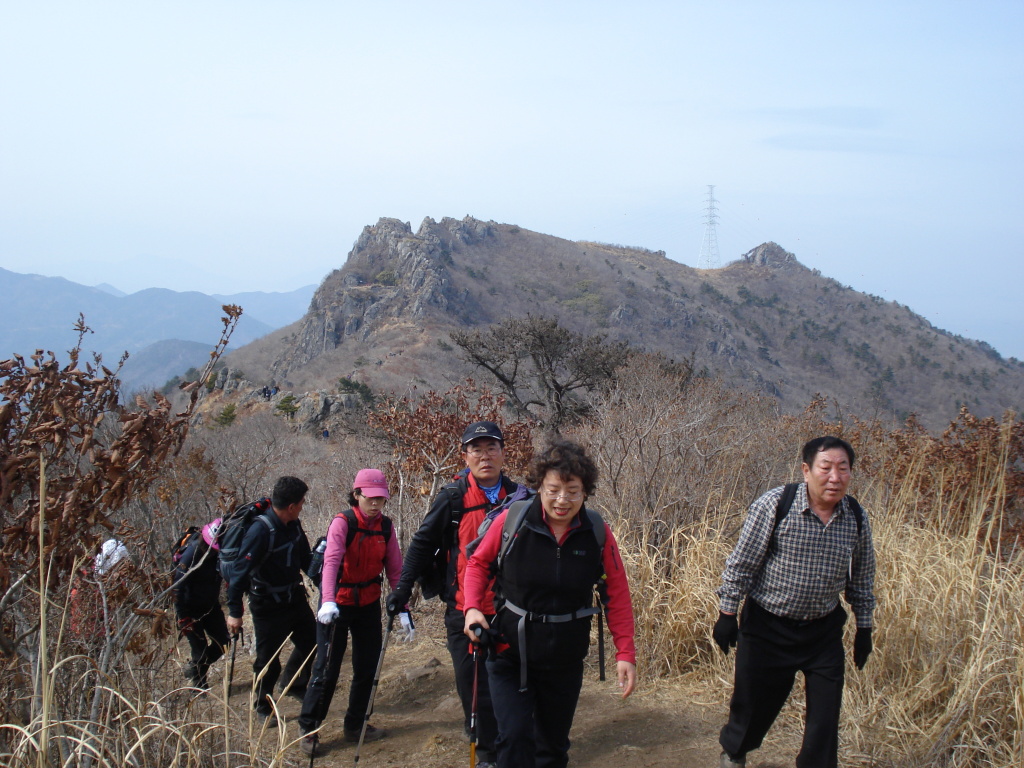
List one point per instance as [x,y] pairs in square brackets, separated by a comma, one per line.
[708,257]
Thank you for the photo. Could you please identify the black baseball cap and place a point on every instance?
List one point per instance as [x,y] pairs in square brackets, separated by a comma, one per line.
[482,429]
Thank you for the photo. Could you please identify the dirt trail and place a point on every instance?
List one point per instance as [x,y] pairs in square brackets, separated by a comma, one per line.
[662,726]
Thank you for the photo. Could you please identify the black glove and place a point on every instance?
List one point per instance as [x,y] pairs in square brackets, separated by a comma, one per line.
[485,637]
[396,602]
[726,631]
[862,646]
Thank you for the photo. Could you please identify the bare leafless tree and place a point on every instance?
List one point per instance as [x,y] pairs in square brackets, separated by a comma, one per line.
[544,369]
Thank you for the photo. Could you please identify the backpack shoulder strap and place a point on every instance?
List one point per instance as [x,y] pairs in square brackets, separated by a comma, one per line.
[600,532]
[272,529]
[386,526]
[456,490]
[353,524]
[514,517]
[858,514]
[784,503]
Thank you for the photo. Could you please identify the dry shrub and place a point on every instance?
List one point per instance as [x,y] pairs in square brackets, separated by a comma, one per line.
[424,436]
[673,451]
[974,468]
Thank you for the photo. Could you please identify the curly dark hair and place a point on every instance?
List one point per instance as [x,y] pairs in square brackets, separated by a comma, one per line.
[566,458]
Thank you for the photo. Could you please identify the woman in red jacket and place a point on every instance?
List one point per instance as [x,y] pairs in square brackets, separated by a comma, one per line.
[547,576]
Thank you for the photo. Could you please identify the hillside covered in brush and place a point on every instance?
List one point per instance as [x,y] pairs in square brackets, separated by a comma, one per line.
[764,322]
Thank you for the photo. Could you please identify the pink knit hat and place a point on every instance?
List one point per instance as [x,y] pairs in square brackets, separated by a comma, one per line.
[371,482]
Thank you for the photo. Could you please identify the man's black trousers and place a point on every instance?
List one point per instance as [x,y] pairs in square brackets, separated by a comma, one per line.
[771,650]
[273,622]
[462,660]
[331,641]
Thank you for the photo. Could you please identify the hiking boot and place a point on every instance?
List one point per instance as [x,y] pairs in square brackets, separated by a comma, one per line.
[728,761]
[310,745]
[486,765]
[372,734]
[266,719]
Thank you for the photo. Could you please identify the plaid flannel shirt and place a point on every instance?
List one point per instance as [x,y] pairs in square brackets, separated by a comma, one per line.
[800,570]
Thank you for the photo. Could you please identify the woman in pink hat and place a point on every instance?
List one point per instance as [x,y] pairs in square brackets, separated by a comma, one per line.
[197,602]
[361,545]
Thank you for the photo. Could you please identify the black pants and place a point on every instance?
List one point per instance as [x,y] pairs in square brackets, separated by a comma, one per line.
[207,635]
[462,660]
[533,726]
[771,650]
[331,641]
[273,622]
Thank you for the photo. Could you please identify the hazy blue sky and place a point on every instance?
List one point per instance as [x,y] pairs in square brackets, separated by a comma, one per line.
[235,146]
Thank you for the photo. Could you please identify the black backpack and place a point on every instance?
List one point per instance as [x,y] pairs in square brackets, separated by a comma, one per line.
[186,538]
[316,565]
[232,530]
[433,582]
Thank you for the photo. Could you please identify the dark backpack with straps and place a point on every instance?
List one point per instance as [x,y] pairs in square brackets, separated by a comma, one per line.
[514,522]
[186,538]
[433,582]
[233,529]
[509,533]
[316,565]
[786,501]
[522,494]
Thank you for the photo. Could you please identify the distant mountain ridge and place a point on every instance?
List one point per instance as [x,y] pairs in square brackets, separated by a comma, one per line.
[764,321]
[41,312]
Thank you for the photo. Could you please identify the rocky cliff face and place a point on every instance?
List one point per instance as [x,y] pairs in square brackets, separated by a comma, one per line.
[393,276]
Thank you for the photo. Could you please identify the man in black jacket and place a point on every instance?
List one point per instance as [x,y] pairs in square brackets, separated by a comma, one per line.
[197,602]
[450,524]
[273,554]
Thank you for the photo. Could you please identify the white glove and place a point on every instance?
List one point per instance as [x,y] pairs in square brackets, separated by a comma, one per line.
[408,631]
[328,612]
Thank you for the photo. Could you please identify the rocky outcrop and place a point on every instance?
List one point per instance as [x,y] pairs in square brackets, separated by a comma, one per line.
[770,255]
[392,275]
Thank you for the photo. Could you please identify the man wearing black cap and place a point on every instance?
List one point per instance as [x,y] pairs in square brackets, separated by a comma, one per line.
[449,526]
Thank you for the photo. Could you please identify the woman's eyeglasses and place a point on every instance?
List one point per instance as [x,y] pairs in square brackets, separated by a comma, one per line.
[556,495]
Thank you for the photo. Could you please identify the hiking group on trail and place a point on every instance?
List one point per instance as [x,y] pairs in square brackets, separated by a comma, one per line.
[522,570]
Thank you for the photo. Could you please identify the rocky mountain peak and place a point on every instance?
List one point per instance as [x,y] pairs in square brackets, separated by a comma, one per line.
[769,255]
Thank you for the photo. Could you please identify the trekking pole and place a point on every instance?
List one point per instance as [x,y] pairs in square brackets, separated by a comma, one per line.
[316,710]
[376,682]
[231,665]
[483,637]
[600,641]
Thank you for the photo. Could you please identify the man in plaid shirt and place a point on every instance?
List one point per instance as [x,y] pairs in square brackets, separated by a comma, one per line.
[791,573]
